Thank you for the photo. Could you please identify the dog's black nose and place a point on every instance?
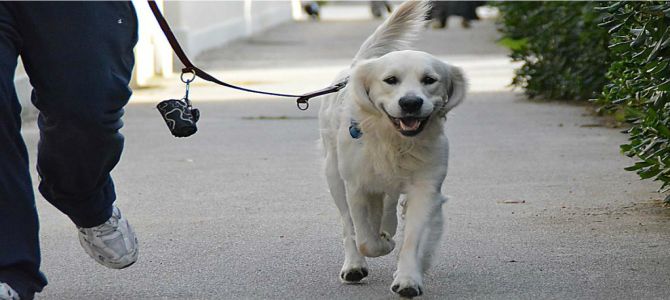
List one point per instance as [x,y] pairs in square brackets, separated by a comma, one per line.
[410,104]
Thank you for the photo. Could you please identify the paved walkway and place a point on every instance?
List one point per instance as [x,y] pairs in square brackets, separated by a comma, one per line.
[540,204]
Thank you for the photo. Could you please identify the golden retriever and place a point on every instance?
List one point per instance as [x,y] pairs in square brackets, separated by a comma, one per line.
[383,137]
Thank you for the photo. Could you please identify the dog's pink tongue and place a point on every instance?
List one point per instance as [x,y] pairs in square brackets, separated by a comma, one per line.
[411,124]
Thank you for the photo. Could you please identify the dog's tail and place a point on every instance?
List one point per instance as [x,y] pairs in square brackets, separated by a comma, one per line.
[397,32]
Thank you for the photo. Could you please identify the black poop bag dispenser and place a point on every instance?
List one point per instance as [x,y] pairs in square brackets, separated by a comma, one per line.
[180,117]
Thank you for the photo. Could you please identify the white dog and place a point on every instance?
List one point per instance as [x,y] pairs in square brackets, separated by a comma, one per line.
[383,136]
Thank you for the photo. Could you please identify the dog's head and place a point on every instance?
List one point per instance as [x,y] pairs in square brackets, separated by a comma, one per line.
[409,87]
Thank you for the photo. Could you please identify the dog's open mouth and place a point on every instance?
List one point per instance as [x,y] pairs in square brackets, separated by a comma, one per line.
[409,126]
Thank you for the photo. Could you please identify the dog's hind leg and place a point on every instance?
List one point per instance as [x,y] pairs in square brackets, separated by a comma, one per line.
[424,210]
[390,217]
[376,211]
[381,223]
[366,214]
[355,267]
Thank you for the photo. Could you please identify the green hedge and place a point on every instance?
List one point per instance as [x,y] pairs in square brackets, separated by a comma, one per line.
[639,82]
[563,50]
[615,52]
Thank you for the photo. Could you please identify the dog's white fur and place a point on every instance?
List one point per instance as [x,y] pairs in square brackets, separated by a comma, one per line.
[367,175]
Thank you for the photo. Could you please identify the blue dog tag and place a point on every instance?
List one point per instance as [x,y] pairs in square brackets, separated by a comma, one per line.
[354,130]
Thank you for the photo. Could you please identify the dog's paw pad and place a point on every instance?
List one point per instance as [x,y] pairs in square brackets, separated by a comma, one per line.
[407,292]
[407,286]
[354,275]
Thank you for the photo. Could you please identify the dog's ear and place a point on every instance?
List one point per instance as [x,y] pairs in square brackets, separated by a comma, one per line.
[456,86]
[359,84]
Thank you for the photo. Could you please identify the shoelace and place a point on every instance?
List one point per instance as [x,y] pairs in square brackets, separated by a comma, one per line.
[108,227]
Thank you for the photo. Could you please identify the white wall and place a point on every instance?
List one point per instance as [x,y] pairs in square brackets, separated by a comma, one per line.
[203,25]
[153,55]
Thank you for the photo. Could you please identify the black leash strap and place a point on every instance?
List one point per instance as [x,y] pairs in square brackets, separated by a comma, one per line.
[189,67]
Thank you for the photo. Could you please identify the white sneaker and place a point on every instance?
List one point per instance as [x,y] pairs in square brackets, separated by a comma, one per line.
[7,293]
[112,244]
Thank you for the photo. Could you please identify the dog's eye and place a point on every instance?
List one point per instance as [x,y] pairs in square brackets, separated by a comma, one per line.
[391,80]
[427,80]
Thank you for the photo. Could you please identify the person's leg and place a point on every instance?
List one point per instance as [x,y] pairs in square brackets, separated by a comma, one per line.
[19,246]
[79,57]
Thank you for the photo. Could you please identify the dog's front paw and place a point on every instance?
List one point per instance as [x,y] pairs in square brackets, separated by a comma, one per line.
[354,270]
[353,275]
[407,287]
[381,246]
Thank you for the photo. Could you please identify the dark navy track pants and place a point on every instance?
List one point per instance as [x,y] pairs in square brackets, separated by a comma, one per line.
[79,58]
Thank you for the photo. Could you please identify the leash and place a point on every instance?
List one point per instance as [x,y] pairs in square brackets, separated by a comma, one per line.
[302,100]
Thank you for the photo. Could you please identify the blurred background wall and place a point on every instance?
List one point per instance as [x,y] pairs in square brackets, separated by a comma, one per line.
[199,26]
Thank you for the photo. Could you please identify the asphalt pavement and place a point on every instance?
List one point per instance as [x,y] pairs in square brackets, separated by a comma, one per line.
[540,206]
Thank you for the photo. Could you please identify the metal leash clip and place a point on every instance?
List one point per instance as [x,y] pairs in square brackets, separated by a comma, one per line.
[180,117]
[303,101]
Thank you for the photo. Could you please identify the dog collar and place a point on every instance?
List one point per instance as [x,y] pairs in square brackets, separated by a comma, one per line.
[354,130]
